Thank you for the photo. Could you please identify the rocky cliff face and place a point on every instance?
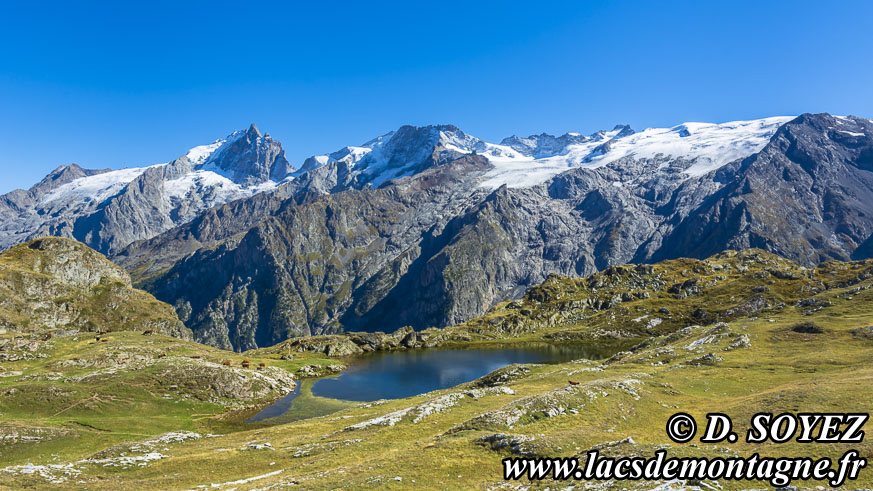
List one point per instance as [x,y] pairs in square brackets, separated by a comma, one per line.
[438,247]
[630,302]
[304,268]
[55,283]
[251,158]
[808,196]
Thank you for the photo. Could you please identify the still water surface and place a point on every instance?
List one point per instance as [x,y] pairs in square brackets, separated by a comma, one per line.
[398,374]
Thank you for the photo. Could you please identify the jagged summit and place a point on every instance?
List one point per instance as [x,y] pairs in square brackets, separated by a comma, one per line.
[109,209]
[404,152]
[545,145]
[249,158]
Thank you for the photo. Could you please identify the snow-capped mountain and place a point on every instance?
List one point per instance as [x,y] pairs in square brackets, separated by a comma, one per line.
[109,209]
[404,152]
[702,147]
[525,162]
[429,226]
[447,239]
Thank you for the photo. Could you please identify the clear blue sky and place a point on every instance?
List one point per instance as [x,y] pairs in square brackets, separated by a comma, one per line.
[107,84]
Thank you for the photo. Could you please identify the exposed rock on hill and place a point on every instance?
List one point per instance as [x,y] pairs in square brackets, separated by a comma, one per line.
[629,302]
[55,283]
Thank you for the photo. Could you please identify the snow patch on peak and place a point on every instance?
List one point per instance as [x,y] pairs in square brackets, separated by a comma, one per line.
[411,149]
[397,153]
[96,188]
[706,146]
[379,140]
[199,154]
[348,155]
[221,189]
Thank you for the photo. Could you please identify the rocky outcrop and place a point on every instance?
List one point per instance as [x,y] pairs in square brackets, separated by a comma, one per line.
[216,383]
[54,283]
[353,343]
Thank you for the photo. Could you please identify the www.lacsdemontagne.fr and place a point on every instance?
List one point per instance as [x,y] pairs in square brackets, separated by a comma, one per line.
[777,471]
[681,428]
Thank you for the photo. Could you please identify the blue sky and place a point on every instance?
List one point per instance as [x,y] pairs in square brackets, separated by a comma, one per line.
[113,84]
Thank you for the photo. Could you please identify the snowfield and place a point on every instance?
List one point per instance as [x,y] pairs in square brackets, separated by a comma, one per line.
[518,162]
[709,145]
[524,162]
[223,189]
[97,188]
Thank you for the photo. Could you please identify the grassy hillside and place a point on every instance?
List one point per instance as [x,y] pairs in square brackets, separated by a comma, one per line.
[733,339]
[87,361]
[71,396]
[629,302]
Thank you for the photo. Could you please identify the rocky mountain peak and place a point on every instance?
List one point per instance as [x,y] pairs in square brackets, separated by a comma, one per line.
[404,152]
[424,137]
[412,149]
[253,131]
[249,157]
[817,141]
[63,175]
[623,130]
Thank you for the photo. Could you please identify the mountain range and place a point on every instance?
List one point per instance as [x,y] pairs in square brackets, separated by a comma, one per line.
[429,226]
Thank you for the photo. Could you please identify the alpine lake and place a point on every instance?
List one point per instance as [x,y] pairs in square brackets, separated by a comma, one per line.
[405,373]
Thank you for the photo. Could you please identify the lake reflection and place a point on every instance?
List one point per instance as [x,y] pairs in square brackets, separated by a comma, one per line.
[397,374]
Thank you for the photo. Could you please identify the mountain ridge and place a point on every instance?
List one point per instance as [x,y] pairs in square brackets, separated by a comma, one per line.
[454,259]
[108,209]
[429,226]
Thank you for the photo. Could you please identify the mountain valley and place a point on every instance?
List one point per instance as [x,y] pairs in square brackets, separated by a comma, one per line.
[740,332]
[440,246]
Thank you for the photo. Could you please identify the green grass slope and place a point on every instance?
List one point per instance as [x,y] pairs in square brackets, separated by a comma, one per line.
[738,333]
